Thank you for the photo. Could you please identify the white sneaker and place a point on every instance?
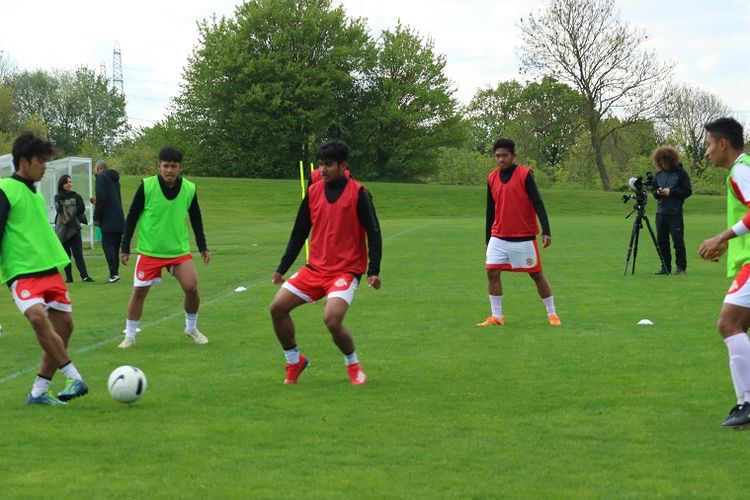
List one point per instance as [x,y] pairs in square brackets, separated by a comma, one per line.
[127,343]
[197,336]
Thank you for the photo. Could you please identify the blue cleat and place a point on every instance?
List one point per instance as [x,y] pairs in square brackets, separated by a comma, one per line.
[73,389]
[45,399]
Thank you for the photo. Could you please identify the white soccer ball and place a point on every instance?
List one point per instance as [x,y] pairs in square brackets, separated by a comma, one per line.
[127,384]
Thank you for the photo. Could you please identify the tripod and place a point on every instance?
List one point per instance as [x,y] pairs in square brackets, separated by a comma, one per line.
[639,209]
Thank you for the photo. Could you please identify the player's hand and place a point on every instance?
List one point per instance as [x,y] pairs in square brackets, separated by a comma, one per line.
[96,222]
[124,258]
[665,191]
[374,281]
[206,255]
[713,248]
[277,278]
[546,240]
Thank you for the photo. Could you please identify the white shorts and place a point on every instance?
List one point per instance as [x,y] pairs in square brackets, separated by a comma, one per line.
[739,293]
[516,256]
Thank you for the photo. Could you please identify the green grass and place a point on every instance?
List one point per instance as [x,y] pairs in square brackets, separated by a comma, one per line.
[596,408]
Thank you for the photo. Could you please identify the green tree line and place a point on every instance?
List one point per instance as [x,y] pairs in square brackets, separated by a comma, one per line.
[264,87]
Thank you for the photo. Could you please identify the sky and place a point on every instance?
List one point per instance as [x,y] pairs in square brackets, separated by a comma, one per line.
[705,41]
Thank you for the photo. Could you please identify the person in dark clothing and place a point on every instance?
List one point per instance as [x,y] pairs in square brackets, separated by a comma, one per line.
[71,213]
[108,215]
[671,188]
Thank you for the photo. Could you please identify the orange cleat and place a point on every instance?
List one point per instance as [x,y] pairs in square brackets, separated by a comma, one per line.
[356,375]
[293,371]
[491,320]
[554,320]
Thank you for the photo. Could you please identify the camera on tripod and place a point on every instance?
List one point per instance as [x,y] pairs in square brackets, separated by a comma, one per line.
[639,188]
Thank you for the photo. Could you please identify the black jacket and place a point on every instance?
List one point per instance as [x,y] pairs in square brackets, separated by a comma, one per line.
[678,182]
[108,211]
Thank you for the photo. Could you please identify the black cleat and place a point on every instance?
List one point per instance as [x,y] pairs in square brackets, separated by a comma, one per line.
[738,417]
[661,271]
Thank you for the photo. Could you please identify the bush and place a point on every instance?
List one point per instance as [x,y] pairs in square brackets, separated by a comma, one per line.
[459,166]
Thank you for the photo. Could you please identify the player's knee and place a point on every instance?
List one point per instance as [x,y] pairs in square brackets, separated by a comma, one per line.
[278,310]
[333,322]
[727,326]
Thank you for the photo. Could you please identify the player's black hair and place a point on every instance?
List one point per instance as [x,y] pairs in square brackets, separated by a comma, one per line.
[505,144]
[333,150]
[29,145]
[729,129]
[170,154]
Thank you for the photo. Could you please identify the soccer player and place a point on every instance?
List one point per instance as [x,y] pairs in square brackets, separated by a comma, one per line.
[31,257]
[725,141]
[159,208]
[340,213]
[513,205]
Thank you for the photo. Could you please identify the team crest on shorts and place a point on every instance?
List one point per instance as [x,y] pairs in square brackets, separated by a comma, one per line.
[141,274]
[25,294]
[340,282]
[529,262]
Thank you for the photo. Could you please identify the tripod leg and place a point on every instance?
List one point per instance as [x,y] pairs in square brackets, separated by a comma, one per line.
[637,225]
[633,239]
[656,244]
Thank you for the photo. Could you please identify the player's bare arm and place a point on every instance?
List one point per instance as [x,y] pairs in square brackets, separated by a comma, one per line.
[714,248]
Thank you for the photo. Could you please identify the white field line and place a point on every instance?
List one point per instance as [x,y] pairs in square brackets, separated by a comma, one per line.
[218,298]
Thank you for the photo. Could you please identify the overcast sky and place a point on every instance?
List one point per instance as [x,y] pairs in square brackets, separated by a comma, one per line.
[707,41]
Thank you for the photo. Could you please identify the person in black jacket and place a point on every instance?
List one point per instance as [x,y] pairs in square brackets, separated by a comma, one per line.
[671,188]
[71,213]
[109,216]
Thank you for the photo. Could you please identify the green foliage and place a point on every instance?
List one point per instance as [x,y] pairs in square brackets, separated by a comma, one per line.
[543,118]
[264,88]
[458,166]
[75,106]
[410,110]
[139,154]
[8,112]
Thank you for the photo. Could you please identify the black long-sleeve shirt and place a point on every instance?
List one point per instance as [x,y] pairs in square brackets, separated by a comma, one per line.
[170,193]
[534,196]
[365,213]
[4,212]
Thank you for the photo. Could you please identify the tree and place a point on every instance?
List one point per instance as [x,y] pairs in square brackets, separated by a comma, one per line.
[76,106]
[584,43]
[490,111]
[265,88]
[7,68]
[410,108]
[544,118]
[684,114]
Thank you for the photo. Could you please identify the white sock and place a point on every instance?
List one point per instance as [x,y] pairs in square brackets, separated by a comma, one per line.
[70,371]
[549,303]
[739,364]
[41,385]
[191,320]
[131,328]
[496,304]
[292,355]
[351,359]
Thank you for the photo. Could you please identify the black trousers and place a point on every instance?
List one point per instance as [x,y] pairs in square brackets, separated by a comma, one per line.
[111,246]
[74,246]
[671,225]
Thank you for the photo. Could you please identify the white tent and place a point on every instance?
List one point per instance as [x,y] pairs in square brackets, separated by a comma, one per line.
[79,169]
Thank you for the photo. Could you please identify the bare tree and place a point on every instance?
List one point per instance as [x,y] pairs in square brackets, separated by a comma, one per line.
[684,114]
[7,68]
[584,43]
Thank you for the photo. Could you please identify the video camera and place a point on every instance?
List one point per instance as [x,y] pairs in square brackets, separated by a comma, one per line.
[639,187]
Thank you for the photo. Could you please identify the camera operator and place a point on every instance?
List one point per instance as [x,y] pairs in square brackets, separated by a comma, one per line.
[671,187]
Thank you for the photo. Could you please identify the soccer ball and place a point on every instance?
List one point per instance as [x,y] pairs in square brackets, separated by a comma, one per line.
[127,384]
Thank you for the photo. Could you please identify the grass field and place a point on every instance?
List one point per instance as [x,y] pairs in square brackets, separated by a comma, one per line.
[596,408]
